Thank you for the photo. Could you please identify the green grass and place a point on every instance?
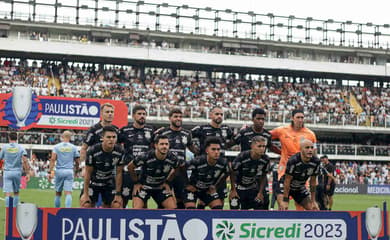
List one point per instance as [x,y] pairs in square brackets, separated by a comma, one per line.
[342,202]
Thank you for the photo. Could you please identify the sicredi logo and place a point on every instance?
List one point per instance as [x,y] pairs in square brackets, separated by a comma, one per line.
[229,229]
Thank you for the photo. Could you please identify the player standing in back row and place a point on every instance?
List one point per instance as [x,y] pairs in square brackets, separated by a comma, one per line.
[103,172]
[244,138]
[137,138]
[179,140]
[290,137]
[249,176]
[94,134]
[214,129]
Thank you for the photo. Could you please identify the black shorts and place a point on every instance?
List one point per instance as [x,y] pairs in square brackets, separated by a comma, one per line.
[299,195]
[331,190]
[247,199]
[201,195]
[107,193]
[158,195]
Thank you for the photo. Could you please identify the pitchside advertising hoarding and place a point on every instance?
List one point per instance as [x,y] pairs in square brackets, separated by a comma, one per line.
[383,189]
[23,110]
[130,224]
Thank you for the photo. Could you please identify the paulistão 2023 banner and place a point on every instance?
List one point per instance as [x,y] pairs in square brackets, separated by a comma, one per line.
[23,110]
[123,224]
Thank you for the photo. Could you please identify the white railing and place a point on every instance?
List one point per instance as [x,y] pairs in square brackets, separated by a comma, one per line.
[48,139]
[160,112]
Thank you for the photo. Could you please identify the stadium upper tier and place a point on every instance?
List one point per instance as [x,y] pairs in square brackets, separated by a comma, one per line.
[326,105]
[278,60]
[206,21]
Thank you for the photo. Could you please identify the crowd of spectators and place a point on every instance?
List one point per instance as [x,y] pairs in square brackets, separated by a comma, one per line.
[322,100]
[353,172]
[39,167]
[40,36]
[381,149]
[41,136]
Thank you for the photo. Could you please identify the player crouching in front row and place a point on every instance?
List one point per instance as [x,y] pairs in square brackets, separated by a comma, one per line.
[249,176]
[208,172]
[157,170]
[301,167]
[102,159]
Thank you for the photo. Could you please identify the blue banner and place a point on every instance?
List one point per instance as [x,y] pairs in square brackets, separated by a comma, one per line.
[54,112]
[58,107]
[379,189]
[123,224]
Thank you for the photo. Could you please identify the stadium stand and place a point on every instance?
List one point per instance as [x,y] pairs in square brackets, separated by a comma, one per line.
[322,100]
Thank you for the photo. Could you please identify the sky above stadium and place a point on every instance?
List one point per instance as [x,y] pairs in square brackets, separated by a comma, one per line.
[360,11]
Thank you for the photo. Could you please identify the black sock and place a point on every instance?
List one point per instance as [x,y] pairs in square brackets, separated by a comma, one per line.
[200,206]
[180,205]
[217,207]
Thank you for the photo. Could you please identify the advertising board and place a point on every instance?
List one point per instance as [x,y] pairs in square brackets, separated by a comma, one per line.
[121,224]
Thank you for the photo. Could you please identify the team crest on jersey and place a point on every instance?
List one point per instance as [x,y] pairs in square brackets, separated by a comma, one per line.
[184,140]
[166,169]
[260,170]
[310,171]
[142,194]
[190,196]
[224,133]
[216,174]
[147,135]
[115,160]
